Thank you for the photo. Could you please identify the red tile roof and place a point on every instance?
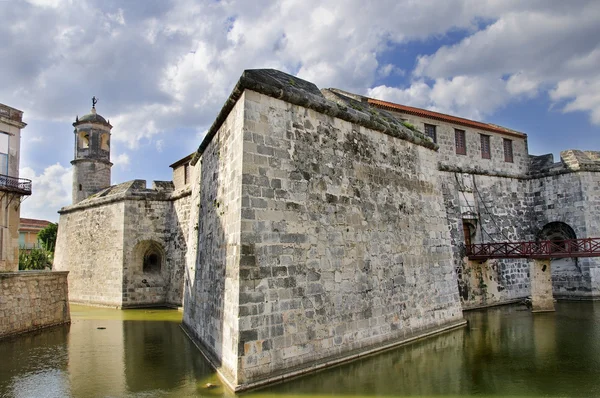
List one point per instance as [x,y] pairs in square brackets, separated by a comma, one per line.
[31,224]
[444,118]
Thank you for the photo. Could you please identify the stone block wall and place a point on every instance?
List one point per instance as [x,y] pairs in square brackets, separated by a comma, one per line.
[146,224]
[211,295]
[500,212]
[31,300]
[344,243]
[92,175]
[177,246]
[573,198]
[161,223]
[90,245]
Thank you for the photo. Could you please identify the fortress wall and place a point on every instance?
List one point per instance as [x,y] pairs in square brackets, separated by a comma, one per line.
[574,199]
[90,245]
[345,244]
[212,277]
[146,222]
[177,247]
[590,184]
[500,207]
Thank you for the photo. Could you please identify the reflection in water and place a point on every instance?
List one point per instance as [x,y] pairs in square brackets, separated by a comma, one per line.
[504,351]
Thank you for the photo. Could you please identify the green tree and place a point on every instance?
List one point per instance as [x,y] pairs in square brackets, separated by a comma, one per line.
[47,237]
[35,259]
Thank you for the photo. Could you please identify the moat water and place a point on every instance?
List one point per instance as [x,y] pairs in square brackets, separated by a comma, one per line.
[504,351]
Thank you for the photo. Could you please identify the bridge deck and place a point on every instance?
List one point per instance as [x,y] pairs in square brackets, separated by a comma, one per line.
[587,247]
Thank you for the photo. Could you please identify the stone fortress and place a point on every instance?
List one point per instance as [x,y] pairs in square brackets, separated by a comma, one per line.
[315,226]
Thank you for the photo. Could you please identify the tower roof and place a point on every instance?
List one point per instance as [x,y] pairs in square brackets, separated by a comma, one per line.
[92,117]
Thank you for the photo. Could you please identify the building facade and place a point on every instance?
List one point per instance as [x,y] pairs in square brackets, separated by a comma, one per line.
[28,230]
[12,188]
[314,226]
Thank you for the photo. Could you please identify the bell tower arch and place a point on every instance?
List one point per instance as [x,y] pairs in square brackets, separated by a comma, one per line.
[91,162]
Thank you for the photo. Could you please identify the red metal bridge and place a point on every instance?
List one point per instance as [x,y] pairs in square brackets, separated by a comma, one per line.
[587,247]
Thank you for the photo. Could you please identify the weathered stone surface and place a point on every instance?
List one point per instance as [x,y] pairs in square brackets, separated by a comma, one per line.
[541,286]
[31,300]
[307,255]
[213,271]
[102,240]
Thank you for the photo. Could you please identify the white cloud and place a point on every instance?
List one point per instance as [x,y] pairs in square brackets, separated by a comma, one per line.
[163,65]
[533,47]
[520,83]
[121,160]
[581,95]
[470,97]
[51,190]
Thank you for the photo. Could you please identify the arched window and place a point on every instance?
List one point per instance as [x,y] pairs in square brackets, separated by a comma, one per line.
[84,140]
[104,142]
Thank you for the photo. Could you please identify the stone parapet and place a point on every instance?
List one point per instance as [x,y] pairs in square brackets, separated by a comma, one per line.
[31,300]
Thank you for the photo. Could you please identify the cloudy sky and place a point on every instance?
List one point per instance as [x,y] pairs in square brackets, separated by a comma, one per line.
[162,69]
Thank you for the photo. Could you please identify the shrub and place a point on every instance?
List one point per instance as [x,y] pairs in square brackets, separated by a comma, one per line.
[35,259]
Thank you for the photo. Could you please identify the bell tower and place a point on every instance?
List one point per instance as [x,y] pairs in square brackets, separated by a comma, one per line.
[91,163]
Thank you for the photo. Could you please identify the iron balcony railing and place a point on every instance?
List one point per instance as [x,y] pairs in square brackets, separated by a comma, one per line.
[587,247]
[13,184]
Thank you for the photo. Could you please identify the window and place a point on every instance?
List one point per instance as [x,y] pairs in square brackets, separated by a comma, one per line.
[84,140]
[105,142]
[430,132]
[459,140]
[4,153]
[508,150]
[186,173]
[485,147]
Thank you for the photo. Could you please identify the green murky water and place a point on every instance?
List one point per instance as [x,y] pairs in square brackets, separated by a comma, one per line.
[504,351]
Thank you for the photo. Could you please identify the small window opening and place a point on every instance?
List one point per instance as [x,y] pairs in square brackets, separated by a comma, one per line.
[84,140]
[186,174]
[80,187]
[430,132]
[460,142]
[485,147]
[104,142]
[508,150]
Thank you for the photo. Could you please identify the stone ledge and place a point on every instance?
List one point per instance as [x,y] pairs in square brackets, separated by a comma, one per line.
[293,90]
[96,202]
[314,367]
[31,274]
[529,176]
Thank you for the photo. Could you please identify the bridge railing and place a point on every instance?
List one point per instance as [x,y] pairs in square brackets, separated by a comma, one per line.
[586,247]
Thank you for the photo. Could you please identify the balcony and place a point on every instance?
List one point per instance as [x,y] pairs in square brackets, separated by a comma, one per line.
[15,185]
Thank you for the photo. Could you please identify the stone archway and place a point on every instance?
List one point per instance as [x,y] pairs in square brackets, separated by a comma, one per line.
[149,257]
[566,273]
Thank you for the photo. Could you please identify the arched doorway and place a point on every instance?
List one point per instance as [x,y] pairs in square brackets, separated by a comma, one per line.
[567,277]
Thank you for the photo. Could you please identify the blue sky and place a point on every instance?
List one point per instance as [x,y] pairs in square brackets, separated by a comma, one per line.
[162,69]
